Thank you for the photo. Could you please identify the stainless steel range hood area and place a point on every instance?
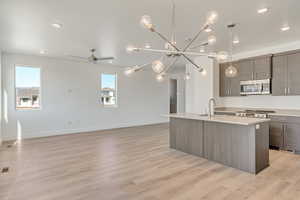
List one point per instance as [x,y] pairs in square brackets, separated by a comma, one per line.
[255,87]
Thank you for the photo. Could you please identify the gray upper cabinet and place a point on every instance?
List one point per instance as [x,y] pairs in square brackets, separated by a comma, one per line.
[286,72]
[293,69]
[258,68]
[246,70]
[279,77]
[262,68]
[224,81]
[283,69]
[229,86]
[235,87]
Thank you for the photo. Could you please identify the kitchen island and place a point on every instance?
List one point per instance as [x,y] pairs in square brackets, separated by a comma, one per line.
[241,143]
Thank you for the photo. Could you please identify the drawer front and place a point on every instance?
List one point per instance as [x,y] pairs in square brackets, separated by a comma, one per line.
[285,119]
[282,119]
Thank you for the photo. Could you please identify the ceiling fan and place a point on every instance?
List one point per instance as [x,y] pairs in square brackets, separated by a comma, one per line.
[94,59]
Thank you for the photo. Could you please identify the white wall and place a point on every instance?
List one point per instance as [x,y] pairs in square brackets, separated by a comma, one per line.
[200,88]
[285,102]
[70,99]
[0,98]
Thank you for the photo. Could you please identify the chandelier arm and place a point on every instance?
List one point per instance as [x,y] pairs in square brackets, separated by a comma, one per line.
[200,45]
[175,47]
[192,62]
[196,36]
[175,52]
[144,65]
[169,66]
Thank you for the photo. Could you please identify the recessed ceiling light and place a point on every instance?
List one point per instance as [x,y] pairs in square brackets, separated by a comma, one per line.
[147,46]
[202,50]
[57,25]
[43,51]
[207,30]
[262,10]
[236,41]
[285,28]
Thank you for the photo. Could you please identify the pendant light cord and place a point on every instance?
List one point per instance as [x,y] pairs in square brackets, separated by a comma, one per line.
[231,45]
[173,25]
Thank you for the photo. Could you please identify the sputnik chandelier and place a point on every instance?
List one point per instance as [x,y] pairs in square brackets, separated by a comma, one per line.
[172,51]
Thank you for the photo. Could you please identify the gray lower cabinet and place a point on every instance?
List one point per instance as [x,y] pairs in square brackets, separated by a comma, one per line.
[292,137]
[242,147]
[276,135]
[225,144]
[186,135]
[285,133]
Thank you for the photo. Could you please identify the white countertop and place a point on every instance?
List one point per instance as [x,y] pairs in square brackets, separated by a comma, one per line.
[220,118]
[278,112]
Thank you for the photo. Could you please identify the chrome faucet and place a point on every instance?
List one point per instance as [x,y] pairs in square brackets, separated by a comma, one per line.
[211,100]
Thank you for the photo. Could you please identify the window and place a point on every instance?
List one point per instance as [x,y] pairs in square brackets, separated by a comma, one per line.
[28,87]
[109,89]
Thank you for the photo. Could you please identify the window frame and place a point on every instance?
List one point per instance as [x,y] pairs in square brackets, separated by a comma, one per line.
[116,89]
[15,88]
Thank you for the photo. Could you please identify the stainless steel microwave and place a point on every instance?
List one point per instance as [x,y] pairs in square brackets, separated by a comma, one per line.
[255,87]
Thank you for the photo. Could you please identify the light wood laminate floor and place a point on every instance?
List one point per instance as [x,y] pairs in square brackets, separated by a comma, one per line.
[134,163]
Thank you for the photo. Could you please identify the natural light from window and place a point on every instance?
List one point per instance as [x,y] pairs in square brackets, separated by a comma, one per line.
[28,87]
[109,89]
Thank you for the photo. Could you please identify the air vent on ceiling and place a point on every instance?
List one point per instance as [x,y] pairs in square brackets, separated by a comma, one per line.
[5,170]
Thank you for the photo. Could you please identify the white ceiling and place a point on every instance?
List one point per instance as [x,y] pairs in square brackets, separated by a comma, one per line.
[110,25]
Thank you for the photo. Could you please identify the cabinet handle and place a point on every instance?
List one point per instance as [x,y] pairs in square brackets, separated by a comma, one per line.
[288,90]
[285,91]
[283,136]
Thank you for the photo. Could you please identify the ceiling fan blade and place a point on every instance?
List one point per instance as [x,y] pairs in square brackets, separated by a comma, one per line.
[105,58]
[77,57]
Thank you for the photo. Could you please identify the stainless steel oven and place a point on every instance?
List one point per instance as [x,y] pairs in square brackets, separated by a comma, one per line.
[255,87]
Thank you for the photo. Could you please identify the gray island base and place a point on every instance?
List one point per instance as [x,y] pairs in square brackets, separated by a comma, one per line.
[241,143]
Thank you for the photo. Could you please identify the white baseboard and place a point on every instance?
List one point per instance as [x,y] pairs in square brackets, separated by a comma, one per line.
[41,134]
